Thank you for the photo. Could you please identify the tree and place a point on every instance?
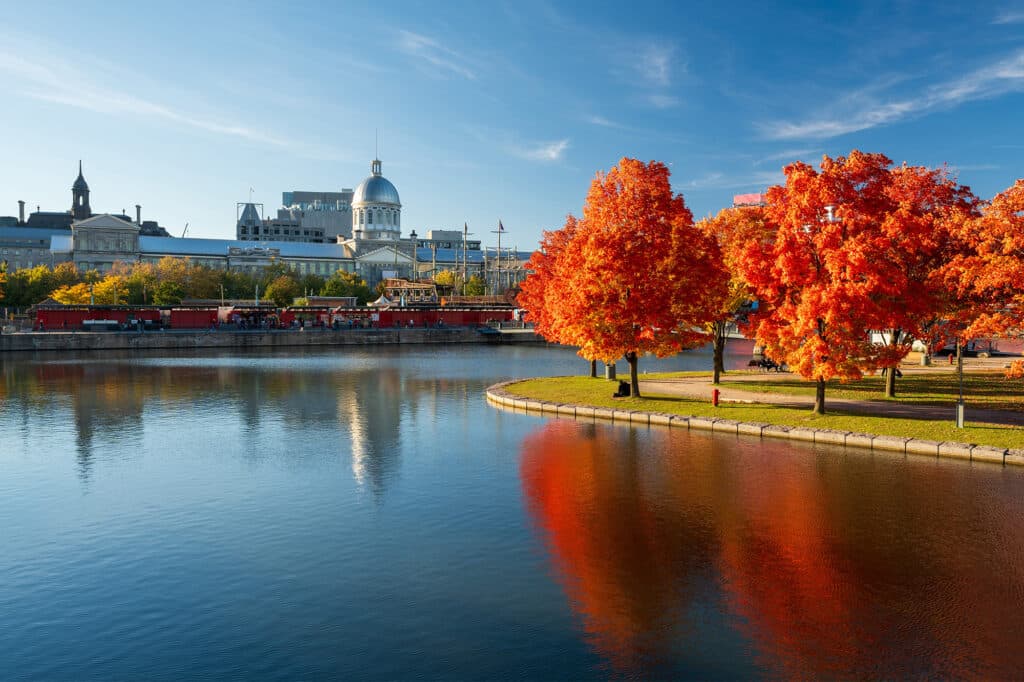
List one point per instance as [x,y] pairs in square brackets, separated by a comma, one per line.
[637,276]
[168,292]
[74,294]
[343,283]
[990,274]
[853,248]
[733,229]
[282,291]
[475,286]
[111,290]
[65,274]
[3,279]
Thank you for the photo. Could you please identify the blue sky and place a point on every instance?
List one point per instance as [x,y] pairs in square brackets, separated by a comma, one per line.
[489,110]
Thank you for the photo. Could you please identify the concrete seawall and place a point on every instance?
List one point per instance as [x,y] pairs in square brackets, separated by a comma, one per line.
[101,341]
[974,453]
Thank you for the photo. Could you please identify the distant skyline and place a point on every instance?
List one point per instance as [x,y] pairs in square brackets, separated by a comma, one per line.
[489,111]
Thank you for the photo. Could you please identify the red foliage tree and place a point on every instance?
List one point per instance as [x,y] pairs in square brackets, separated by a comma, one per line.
[633,276]
[733,229]
[856,247]
[991,275]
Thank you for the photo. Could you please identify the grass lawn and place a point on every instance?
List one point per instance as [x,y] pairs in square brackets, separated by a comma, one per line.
[988,389]
[597,392]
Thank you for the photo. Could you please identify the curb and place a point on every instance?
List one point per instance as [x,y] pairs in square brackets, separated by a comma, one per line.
[497,395]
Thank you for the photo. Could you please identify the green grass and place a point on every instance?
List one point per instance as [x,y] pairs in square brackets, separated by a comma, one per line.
[597,392]
[987,389]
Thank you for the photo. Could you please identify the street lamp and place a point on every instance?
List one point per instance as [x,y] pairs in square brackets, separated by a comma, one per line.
[960,373]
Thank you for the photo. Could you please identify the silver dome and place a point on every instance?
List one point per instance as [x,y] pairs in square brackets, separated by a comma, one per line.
[376,189]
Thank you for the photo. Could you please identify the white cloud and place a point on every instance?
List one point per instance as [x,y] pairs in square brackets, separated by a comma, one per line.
[40,82]
[865,112]
[442,60]
[544,151]
[662,101]
[602,121]
[719,180]
[654,65]
[790,155]
[1009,17]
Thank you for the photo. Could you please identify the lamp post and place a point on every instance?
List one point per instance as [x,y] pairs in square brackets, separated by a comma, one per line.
[960,373]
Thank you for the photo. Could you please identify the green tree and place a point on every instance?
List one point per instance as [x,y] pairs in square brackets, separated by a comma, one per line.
[282,291]
[168,292]
[66,274]
[475,286]
[343,283]
[311,284]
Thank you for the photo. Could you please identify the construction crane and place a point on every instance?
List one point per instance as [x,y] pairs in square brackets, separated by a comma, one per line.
[183,232]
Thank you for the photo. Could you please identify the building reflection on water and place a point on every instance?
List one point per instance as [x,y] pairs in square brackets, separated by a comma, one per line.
[361,407]
[818,561]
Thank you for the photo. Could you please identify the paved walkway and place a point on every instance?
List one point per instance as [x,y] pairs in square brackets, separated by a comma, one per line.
[701,387]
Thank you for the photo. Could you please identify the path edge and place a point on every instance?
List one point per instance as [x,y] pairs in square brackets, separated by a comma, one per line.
[498,396]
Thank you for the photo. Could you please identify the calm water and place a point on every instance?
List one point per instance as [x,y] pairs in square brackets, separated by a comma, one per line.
[366,515]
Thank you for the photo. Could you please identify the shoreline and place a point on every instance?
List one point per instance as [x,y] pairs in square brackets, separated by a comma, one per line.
[499,397]
[57,341]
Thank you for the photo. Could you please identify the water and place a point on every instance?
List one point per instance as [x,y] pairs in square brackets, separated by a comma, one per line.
[365,514]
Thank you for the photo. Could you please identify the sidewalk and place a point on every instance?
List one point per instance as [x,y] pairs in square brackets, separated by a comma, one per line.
[700,388]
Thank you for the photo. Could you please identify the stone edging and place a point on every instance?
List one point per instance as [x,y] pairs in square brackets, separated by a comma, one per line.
[975,453]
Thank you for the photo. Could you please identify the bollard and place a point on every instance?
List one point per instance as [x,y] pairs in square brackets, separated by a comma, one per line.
[714,397]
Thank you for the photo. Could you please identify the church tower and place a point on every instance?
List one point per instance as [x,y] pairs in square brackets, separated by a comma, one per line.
[80,209]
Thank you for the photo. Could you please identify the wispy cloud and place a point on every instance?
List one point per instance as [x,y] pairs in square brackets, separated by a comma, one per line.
[720,180]
[543,151]
[1009,17]
[441,60]
[662,101]
[41,82]
[863,111]
[789,155]
[603,122]
[654,65]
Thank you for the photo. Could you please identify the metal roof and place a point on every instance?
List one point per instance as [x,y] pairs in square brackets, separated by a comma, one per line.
[36,233]
[175,246]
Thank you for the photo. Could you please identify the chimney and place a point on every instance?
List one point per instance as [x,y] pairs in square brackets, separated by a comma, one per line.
[138,214]
[21,212]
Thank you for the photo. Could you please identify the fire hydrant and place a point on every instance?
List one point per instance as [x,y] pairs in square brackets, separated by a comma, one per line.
[714,396]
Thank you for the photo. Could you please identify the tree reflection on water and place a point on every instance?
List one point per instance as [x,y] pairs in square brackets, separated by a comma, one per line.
[829,564]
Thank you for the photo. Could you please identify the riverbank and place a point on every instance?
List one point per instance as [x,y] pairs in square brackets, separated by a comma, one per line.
[584,398]
[177,340]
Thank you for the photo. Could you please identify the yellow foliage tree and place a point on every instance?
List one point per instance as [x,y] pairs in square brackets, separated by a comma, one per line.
[73,294]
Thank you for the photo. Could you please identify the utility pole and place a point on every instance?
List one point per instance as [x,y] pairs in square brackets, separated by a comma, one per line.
[497,276]
[465,257]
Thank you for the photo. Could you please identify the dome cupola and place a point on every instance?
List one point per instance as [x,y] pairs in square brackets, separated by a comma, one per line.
[376,208]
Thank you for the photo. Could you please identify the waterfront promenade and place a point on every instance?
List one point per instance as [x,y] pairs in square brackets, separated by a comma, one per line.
[700,388]
[258,338]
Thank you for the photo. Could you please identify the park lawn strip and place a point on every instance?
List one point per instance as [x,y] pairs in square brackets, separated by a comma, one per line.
[990,390]
[598,393]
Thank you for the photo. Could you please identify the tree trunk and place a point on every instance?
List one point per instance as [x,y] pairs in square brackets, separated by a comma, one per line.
[890,383]
[890,377]
[819,396]
[593,369]
[719,352]
[634,382]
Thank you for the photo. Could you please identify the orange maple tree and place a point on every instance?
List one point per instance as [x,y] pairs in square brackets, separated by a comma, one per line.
[991,274]
[857,247]
[733,229]
[632,276]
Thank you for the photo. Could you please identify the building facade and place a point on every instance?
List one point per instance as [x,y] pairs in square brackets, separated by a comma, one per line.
[372,246]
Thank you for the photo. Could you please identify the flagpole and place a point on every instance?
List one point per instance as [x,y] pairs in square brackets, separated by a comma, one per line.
[497,275]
